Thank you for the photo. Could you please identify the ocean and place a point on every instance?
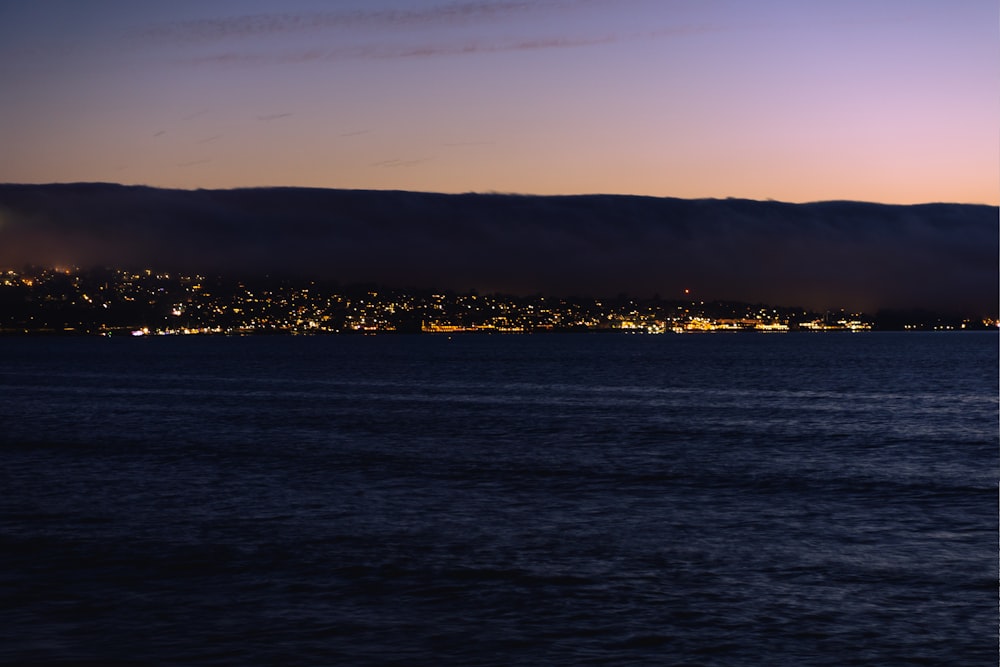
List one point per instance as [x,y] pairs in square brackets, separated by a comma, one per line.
[547,499]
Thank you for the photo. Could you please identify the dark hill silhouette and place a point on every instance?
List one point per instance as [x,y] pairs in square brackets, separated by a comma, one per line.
[818,255]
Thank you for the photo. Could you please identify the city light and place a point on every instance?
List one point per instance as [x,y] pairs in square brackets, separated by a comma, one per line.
[149,302]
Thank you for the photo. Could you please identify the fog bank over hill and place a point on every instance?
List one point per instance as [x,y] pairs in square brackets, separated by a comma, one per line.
[820,255]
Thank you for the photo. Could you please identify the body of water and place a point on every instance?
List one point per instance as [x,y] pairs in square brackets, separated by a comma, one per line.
[799,499]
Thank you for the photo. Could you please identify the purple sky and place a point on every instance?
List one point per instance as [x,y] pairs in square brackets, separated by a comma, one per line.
[893,101]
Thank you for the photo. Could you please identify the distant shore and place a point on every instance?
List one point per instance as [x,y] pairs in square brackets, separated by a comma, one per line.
[116,302]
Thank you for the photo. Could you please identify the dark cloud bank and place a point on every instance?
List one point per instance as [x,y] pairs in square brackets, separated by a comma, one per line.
[821,255]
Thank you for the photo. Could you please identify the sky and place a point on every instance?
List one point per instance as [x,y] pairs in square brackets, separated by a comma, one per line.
[892,101]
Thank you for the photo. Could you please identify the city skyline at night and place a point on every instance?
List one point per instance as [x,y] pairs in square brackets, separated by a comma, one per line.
[109,301]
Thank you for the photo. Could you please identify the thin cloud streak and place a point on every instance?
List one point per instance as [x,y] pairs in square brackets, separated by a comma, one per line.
[196,114]
[399,163]
[262,25]
[434,50]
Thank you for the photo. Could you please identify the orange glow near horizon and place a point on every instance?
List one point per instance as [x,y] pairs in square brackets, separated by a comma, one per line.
[887,101]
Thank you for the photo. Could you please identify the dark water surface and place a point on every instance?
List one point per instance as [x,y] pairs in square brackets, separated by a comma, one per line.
[799,499]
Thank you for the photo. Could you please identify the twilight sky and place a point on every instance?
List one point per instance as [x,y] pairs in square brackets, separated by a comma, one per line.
[893,101]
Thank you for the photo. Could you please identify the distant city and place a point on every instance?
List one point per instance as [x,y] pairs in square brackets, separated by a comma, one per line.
[106,301]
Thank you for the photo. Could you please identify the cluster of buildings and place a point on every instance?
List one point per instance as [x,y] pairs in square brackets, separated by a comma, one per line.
[146,302]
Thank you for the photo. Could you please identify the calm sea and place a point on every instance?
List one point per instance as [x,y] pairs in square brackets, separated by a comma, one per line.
[797,499]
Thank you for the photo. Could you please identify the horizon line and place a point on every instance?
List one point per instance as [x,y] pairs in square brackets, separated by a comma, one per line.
[497,193]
